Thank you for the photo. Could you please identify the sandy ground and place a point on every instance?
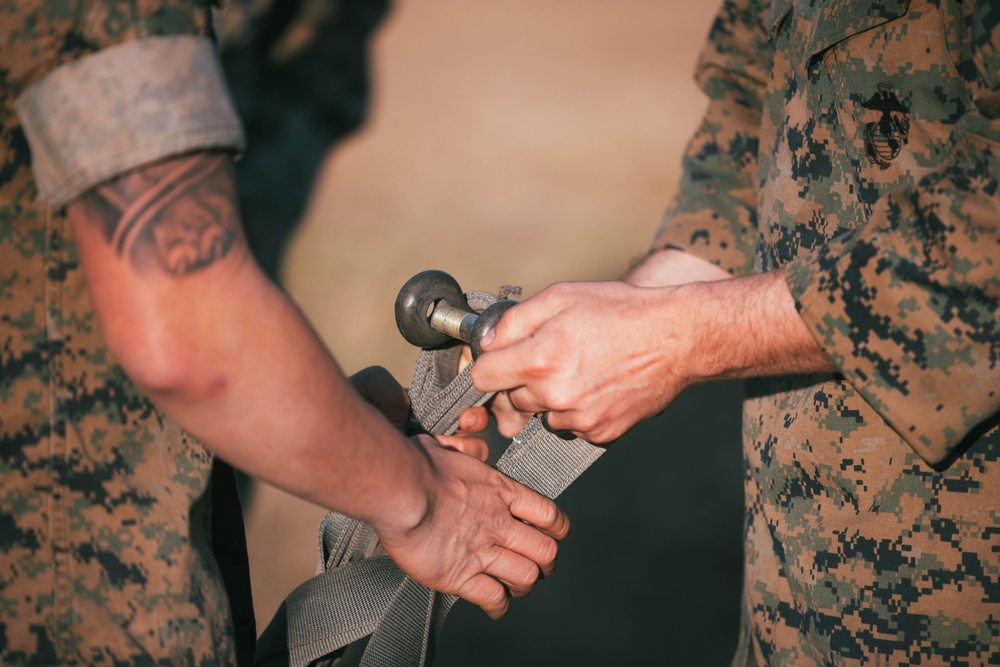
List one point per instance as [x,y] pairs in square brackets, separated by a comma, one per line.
[526,142]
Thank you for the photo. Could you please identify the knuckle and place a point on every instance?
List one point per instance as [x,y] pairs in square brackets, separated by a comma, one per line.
[499,522]
[558,399]
[509,322]
[509,426]
[548,514]
[496,600]
[589,423]
[560,289]
[548,552]
[604,434]
[527,578]
[537,361]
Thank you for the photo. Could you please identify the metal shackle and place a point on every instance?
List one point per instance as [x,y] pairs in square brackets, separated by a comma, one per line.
[432,310]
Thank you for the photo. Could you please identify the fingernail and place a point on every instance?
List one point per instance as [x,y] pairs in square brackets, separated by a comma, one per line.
[487,339]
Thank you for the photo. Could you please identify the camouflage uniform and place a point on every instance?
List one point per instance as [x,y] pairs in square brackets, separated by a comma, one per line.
[857,144]
[106,507]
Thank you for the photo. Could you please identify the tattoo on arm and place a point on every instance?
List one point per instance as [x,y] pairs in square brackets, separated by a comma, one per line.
[179,215]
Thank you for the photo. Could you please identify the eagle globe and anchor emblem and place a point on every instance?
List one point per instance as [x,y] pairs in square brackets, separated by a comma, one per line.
[885,138]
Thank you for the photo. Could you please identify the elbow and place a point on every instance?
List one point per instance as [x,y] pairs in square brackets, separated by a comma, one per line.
[158,361]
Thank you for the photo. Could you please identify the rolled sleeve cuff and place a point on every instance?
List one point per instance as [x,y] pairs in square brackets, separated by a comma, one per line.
[847,310]
[130,104]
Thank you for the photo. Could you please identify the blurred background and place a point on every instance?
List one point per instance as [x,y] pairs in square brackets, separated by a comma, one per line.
[506,142]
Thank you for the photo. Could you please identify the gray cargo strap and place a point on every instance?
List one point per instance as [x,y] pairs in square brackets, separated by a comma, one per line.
[361,610]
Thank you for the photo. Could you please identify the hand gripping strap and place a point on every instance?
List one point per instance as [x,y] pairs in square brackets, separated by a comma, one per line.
[358,590]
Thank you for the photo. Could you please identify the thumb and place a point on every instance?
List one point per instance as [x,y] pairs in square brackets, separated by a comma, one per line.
[508,353]
[518,323]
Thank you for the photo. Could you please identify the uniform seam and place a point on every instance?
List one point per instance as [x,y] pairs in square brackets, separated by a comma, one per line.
[57,518]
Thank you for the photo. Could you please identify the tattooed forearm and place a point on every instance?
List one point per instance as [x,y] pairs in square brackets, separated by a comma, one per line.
[179,215]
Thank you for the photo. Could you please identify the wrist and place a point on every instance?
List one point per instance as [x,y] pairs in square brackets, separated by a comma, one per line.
[711,337]
[406,501]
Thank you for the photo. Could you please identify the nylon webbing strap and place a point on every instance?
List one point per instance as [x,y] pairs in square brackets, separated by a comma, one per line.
[437,396]
[543,461]
[360,610]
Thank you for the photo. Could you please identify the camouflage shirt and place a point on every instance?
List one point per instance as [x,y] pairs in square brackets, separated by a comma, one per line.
[857,144]
[106,550]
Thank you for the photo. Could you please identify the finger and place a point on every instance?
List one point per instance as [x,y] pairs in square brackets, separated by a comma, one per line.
[568,424]
[517,573]
[465,358]
[379,388]
[522,321]
[540,512]
[560,424]
[486,593]
[503,369]
[509,424]
[474,420]
[510,420]
[528,542]
[466,444]
[523,400]
[375,381]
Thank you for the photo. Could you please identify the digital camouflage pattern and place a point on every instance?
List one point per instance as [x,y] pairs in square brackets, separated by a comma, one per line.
[105,549]
[857,144]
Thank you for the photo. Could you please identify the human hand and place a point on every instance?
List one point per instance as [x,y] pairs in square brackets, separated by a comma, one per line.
[483,536]
[598,357]
[464,443]
[510,420]
[380,389]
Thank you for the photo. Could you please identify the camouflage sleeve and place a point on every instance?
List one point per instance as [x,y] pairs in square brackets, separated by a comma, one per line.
[104,87]
[714,212]
[906,305]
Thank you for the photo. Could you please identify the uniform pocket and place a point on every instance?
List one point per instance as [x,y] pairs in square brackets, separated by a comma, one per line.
[820,26]
[897,96]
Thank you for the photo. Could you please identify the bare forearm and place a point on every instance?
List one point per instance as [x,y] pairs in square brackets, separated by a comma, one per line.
[221,350]
[269,398]
[600,357]
[749,327]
